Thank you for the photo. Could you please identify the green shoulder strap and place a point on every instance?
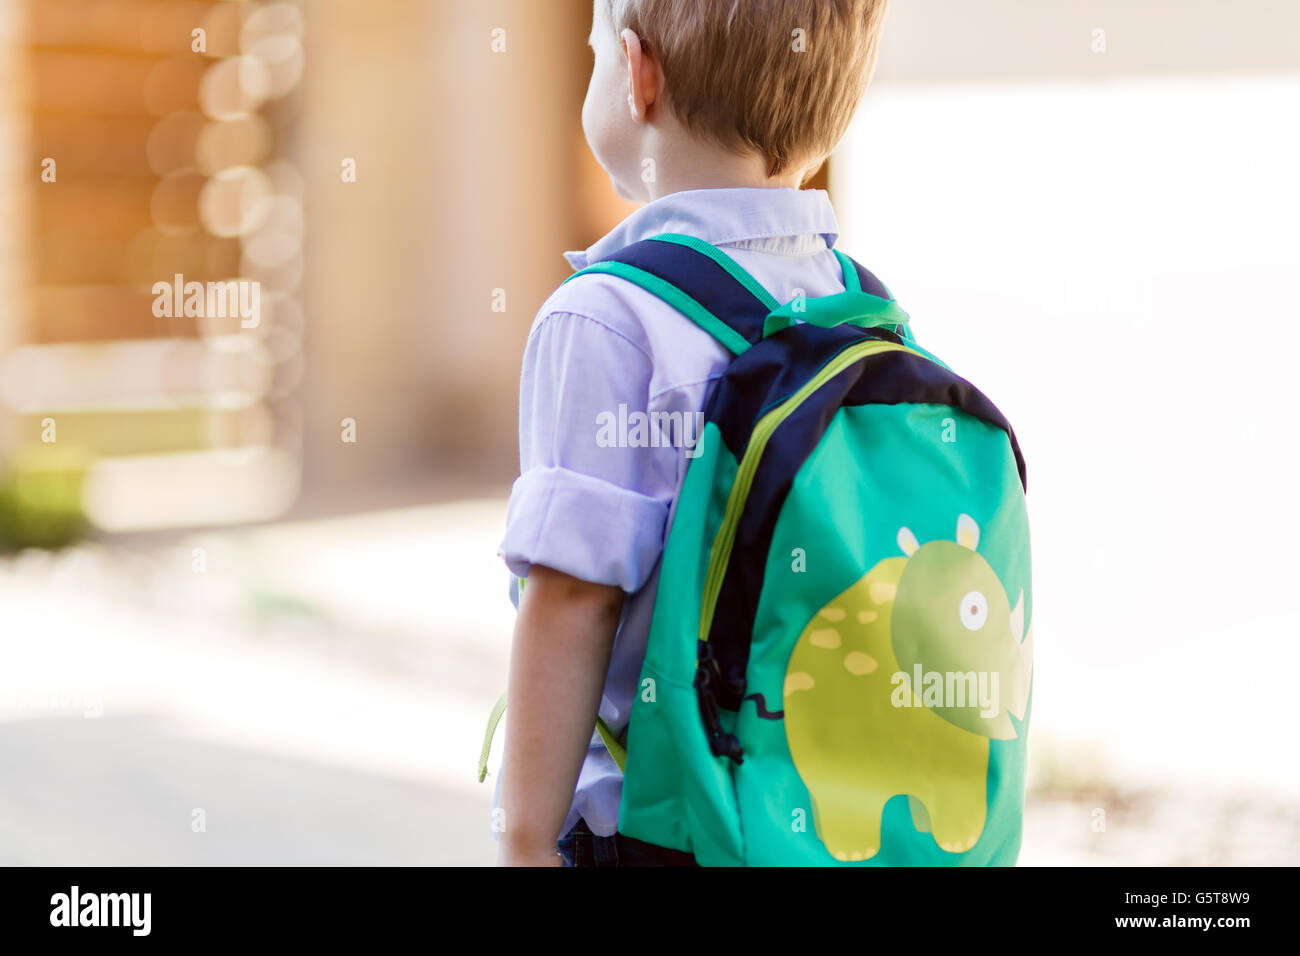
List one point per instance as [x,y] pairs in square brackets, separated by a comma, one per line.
[612,743]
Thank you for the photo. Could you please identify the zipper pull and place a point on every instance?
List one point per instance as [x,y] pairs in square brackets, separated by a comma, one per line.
[720,744]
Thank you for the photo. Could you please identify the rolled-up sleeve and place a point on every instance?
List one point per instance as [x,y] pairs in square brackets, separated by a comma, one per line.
[594,491]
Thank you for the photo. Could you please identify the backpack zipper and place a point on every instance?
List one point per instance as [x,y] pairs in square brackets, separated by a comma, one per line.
[720,553]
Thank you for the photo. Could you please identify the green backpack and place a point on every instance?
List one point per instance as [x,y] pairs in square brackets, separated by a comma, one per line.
[840,657]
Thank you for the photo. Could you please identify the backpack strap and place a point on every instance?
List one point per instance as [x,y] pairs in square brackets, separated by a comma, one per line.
[617,747]
[857,278]
[710,288]
[700,281]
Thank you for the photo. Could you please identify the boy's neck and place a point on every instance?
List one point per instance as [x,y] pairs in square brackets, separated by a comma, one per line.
[689,163]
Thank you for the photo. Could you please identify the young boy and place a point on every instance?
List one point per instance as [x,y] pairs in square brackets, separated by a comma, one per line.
[713,112]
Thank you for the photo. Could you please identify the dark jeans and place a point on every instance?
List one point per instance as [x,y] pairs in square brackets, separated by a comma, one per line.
[581,847]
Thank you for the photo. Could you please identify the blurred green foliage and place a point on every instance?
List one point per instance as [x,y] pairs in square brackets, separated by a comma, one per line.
[41,497]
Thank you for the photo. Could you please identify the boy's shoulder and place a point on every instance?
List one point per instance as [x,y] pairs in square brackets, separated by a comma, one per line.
[594,295]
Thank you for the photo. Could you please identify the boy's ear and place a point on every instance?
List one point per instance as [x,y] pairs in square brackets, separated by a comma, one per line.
[644,78]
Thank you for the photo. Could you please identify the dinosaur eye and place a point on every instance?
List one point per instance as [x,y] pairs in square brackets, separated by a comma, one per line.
[974,610]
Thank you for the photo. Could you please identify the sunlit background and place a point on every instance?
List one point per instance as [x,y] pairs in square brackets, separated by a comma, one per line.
[252,611]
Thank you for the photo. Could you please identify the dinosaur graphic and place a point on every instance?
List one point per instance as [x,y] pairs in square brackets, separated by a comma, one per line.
[860,732]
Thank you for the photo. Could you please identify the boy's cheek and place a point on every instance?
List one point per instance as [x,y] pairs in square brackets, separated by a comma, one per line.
[612,138]
[593,128]
[589,115]
[606,144]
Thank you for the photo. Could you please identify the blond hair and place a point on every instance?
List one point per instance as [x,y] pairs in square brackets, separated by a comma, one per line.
[741,73]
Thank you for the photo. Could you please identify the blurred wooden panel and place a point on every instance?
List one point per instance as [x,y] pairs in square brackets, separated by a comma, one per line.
[112,85]
[90,148]
[60,259]
[103,313]
[147,431]
[77,209]
[14,168]
[97,314]
[136,372]
[144,26]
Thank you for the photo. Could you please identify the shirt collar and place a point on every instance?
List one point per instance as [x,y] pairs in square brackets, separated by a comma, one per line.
[719,217]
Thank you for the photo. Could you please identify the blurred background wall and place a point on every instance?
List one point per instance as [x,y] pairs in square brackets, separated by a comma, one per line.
[399,177]
[155,149]
[393,174]
[470,180]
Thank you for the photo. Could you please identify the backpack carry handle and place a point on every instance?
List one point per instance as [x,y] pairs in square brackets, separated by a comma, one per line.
[844,308]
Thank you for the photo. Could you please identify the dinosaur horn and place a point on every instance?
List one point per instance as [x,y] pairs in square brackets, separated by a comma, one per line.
[1019,692]
[968,532]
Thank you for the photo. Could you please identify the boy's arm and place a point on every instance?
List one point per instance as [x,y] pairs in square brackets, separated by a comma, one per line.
[593,509]
[562,641]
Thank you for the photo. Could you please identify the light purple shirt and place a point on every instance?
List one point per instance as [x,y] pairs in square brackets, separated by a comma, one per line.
[601,513]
